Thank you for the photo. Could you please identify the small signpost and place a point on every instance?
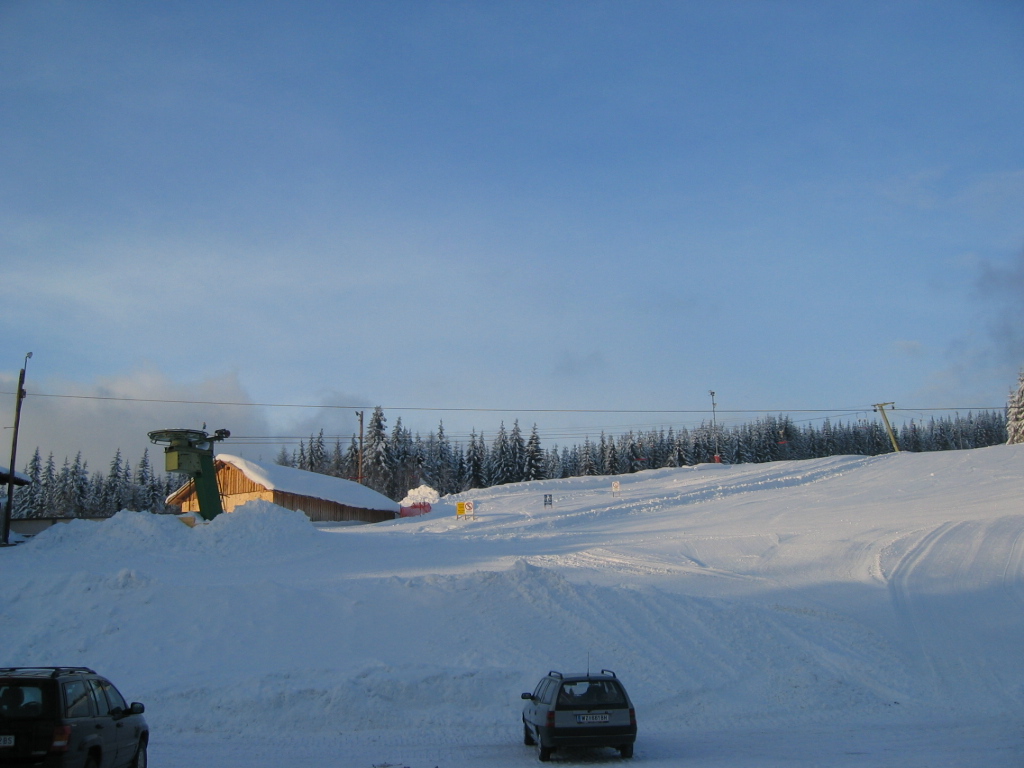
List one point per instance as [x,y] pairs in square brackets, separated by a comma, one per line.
[464,509]
[547,500]
[616,487]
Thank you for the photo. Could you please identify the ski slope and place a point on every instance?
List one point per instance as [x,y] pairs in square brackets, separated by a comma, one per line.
[848,611]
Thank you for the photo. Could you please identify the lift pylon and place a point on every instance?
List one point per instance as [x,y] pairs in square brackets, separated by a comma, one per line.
[190,451]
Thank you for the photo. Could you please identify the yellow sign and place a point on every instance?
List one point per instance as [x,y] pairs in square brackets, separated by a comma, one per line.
[460,509]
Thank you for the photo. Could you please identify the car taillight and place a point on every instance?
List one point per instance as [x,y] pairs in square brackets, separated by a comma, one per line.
[632,716]
[550,721]
[61,737]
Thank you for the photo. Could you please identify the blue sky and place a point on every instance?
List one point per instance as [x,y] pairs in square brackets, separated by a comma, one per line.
[509,206]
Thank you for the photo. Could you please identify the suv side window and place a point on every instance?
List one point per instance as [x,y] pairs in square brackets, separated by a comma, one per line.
[117,703]
[546,691]
[98,699]
[77,698]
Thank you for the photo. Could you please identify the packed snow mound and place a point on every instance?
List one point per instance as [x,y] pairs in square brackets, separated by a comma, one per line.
[254,526]
[422,495]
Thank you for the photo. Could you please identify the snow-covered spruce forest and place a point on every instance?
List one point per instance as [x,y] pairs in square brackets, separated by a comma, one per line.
[396,460]
[73,491]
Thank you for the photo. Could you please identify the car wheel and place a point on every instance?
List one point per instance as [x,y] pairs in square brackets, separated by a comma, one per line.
[626,750]
[92,762]
[527,736]
[545,754]
[141,758]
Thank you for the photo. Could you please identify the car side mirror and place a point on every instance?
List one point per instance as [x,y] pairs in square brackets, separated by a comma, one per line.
[136,708]
[527,696]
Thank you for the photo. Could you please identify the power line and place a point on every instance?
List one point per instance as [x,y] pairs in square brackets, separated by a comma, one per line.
[321,406]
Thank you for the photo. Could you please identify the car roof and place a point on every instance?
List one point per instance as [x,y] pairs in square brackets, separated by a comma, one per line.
[576,677]
[50,672]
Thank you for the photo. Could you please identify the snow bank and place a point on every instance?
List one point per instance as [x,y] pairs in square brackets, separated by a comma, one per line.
[424,494]
[253,527]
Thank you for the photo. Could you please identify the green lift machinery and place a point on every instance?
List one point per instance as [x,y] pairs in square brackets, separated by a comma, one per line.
[190,451]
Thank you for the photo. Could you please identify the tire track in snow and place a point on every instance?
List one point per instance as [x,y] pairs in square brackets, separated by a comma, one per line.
[960,639]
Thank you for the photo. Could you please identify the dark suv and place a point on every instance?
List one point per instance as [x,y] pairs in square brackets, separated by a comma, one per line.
[579,711]
[68,717]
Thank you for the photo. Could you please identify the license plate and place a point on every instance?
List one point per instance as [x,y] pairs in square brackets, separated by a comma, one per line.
[6,741]
[592,718]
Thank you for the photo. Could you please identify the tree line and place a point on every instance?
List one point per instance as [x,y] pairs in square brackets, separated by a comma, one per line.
[396,460]
[73,491]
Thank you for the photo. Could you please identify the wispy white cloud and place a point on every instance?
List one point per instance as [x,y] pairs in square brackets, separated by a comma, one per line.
[116,413]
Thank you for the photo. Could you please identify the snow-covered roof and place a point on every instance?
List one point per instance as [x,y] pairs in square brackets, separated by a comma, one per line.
[19,479]
[313,484]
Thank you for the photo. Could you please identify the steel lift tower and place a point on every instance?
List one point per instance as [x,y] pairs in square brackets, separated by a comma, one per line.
[190,451]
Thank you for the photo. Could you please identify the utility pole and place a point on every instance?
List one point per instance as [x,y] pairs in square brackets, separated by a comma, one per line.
[5,526]
[714,426]
[359,473]
[880,408]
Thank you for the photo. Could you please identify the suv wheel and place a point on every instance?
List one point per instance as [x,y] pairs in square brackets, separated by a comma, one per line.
[527,736]
[545,754]
[141,758]
[626,750]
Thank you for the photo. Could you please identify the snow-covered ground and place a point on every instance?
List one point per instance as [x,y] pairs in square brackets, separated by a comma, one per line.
[838,612]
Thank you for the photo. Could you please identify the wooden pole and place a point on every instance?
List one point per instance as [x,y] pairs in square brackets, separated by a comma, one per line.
[5,526]
[359,475]
[880,408]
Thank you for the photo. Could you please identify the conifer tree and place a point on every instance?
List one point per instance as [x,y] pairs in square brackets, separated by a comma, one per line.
[516,454]
[476,462]
[610,460]
[553,464]
[534,457]
[587,466]
[284,458]
[1015,414]
[377,463]
[351,464]
[446,472]
[500,470]
[49,490]
[112,487]
[29,499]
[79,492]
[317,458]
[337,460]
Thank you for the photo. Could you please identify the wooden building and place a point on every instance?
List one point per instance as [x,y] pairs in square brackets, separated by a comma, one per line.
[323,498]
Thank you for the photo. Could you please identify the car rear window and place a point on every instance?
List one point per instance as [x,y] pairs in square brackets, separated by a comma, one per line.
[584,694]
[23,700]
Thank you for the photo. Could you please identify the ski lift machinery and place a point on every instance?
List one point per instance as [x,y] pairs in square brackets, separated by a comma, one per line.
[190,452]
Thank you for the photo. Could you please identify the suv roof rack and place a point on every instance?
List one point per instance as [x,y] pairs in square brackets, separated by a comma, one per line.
[607,672]
[553,673]
[53,671]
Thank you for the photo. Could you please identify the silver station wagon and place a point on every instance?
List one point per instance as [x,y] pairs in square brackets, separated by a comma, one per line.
[584,710]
